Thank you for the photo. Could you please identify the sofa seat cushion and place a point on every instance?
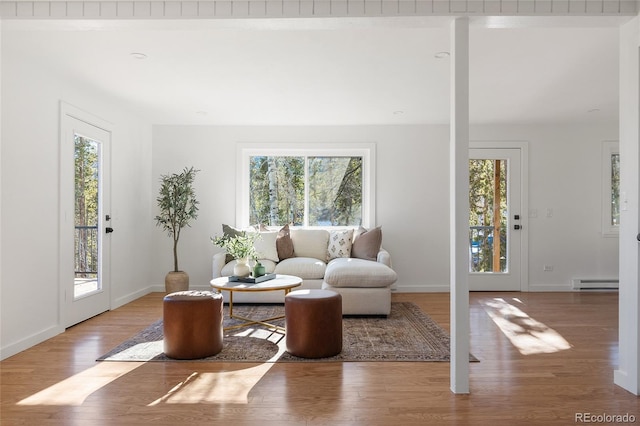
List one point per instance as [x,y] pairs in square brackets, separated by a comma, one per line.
[358,273]
[306,268]
[227,270]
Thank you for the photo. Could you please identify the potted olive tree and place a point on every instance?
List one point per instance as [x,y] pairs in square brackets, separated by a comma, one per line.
[178,207]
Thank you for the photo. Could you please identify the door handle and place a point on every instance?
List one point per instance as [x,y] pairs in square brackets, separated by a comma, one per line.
[108,230]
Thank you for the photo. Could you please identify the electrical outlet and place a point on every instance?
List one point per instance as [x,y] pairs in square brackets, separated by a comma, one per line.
[547,268]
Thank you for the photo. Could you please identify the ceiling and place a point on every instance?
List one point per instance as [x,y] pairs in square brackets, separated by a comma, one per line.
[327,71]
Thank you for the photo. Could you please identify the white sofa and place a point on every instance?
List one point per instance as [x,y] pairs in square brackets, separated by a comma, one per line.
[365,285]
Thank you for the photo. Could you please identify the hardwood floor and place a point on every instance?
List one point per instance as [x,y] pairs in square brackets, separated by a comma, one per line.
[562,365]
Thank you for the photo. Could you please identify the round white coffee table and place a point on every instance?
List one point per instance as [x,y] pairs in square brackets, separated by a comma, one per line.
[279,283]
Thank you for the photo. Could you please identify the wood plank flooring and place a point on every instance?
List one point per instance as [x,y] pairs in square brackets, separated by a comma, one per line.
[562,366]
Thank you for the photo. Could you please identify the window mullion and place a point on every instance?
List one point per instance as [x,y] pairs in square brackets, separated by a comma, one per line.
[306,190]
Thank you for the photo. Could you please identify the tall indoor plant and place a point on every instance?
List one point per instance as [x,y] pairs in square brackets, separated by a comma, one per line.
[178,207]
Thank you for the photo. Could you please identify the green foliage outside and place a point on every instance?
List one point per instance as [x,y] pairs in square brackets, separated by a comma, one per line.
[86,181]
[615,189]
[335,190]
[481,214]
[277,190]
[86,206]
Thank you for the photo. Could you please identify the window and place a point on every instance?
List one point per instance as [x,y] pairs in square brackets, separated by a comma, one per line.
[87,189]
[610,189]
[306,186]
[488,215]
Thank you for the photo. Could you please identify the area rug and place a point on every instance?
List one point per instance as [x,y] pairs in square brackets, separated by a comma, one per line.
[407,334]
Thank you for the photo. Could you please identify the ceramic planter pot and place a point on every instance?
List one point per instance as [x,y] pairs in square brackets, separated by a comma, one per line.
[176,281]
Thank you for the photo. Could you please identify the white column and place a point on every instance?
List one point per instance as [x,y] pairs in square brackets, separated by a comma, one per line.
[628,374]
[459,205]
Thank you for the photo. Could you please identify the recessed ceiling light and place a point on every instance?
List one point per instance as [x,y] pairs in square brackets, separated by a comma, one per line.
[138,55]
[441,55]
[201,113]
[398,112]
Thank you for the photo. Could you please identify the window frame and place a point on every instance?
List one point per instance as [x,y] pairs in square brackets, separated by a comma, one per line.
[609,148]
[365,150]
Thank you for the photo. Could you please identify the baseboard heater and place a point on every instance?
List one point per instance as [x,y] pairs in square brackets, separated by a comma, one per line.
[595,283]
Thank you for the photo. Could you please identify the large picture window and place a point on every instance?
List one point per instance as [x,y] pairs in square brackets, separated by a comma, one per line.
[317,187]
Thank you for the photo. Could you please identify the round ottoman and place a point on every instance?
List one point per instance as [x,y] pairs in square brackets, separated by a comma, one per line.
[192,322]
[313,323]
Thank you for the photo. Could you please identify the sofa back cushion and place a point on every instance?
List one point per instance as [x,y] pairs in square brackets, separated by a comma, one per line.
[310,243]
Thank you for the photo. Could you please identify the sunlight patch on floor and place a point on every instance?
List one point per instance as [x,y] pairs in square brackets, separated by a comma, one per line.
[528,335]
[76,389]
[219,387]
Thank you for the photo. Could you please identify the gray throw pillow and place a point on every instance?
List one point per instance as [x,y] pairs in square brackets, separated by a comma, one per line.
[366,243]
[284,243]
[230,232]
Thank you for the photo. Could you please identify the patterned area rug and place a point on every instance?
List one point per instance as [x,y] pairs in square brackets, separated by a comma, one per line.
[407,334]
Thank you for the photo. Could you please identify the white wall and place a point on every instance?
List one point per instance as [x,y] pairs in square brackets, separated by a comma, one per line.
[412,196]
[405,155]
[1,238]
[30,171]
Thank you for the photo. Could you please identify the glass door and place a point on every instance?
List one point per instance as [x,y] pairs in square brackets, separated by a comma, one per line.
[85,219]
[495,220]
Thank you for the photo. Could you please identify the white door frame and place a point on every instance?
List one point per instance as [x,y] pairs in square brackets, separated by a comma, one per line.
[523,146]
[73,311]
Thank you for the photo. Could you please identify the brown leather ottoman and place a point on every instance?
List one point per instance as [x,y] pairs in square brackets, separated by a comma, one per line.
[313,323]
[192,323]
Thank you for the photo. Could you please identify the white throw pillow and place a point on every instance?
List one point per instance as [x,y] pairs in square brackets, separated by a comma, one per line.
[340,243]
[265,246]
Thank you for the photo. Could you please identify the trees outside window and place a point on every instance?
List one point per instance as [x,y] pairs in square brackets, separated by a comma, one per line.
[305,190]
[86,206]
[615,189]
[488,215]
[304,184]
[610,189]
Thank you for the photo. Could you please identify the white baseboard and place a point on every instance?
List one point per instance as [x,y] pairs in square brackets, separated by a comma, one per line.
[441,288]
[29,341]
[437,288]
[121,301]
[444,288]
[550,288]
